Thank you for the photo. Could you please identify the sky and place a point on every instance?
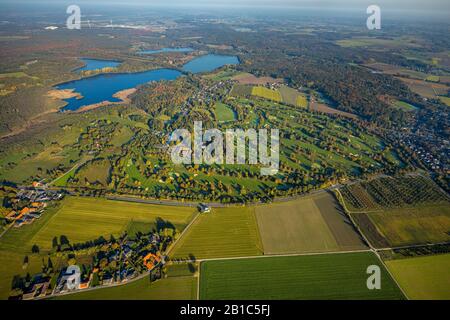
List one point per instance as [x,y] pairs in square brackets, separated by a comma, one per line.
[434,5]
[411,8]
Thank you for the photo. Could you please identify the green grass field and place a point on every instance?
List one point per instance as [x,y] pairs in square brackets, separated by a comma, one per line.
[82,219]
[404,106]
[14,245]
[172,288]
[225,232]
[423,277]
[327,276]
[94,173]
[224,112]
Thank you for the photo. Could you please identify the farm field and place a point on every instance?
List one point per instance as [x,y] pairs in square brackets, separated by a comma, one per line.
[424,88]
[389,192]
[420,225]
[82,219]
[325,276]
[310,224]
[322,107]
[268,94]
[423,277]
[240,90]
[293,97]
[172,288]
[225,232]
[248,78]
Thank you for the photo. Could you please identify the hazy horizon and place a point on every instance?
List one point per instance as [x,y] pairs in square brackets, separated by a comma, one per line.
[407,5]
[433,10]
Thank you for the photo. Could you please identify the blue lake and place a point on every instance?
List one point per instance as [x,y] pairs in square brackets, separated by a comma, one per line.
[166,50]
[209,63]
[102,87]
[94,64]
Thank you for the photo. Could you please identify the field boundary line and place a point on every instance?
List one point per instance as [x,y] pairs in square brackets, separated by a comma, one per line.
[198,281]
[391,275]
[172,245]
[280,255]
[353,221]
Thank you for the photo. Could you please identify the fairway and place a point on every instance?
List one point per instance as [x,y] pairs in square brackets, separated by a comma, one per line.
[423,277]
[326,276]
[309,224]
[83,219]
[225,232]
[224,112]
[172,288]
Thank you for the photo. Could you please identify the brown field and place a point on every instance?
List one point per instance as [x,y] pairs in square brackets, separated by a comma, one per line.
[395,70]
[445,79]
[426,89]
[248,78]
[321,107]
[310,224]
[370,230]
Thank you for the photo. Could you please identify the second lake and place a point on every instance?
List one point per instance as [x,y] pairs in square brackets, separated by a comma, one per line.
[102,87]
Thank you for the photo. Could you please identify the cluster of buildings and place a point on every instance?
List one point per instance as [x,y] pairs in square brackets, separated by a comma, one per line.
[116,262]
[32,203]
[435,160]
[207,94]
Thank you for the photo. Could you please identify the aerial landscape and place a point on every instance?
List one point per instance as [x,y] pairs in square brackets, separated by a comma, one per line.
[240,150]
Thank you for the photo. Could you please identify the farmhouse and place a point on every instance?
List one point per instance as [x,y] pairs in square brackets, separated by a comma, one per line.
[203,208]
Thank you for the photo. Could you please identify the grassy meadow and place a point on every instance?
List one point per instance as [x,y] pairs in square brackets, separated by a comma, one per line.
[83,219]
[424,278]
[325,276]
[171,288]
[225,232]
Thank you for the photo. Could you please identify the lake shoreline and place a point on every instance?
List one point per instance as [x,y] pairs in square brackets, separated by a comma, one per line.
[101,89]
[123,95]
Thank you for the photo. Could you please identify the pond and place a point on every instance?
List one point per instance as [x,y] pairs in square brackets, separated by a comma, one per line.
[102,87]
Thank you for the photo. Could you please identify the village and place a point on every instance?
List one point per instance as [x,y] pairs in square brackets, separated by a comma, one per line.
[29,204]
[115,261]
